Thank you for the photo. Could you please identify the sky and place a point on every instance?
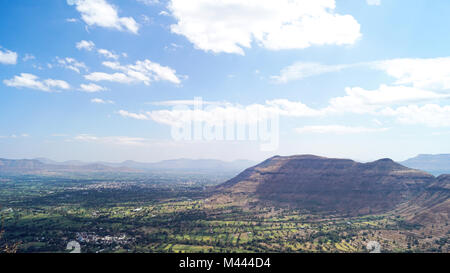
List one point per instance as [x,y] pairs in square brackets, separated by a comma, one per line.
[151,80]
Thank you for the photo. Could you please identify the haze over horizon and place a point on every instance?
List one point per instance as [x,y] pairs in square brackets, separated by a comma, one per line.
[343,82]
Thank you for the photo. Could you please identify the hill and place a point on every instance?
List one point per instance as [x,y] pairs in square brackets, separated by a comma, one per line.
[328,185]
[434,164]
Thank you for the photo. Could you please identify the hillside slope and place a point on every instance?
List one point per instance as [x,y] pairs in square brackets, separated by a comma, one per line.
[329,185]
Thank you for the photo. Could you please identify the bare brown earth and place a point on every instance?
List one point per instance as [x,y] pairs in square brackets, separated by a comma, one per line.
[432,206]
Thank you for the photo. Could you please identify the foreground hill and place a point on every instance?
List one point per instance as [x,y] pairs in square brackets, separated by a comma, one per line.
[431,206]
[434,164]
[328,185]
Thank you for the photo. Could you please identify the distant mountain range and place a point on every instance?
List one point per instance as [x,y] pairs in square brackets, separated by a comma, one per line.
[340,186]
[48,166]
[434,164]
[212,165]
[37,167]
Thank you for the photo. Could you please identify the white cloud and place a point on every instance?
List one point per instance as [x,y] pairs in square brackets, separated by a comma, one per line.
[373,2]
[142,71]
[101,101]
[337,129]
[14,136]
[230,26]
[127,114]
[288,108]
[89,46]
[28,57]
[115,140]
[217,113]
[115,77]
[377,103]
[301,70]
[108,54]
[433,73]
[185,102]
[103,14]
[72,64]
[86,45]
[358,100]
[31,81]
[431,115]
[149,2]
[7,56]
[91,88]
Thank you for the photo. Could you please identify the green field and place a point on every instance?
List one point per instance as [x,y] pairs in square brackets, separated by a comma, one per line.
[142,214]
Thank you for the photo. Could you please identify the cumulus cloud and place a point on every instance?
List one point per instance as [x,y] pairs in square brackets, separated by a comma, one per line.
[425,73]
[230,26]
[72,64]
[8,56]
[386,101]
[89,46]
[301,70]
[432,73]
[432,115]
[31,81]
[144,71]
[91,88]
[359,100]
[101,13]
[337,129]
[86,45]
[101,101]
[28,57]
[114,77]
[127,114]
[217,113]
[108,54]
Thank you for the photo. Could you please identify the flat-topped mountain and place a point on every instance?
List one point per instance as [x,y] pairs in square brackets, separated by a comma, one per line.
[435,164]
[329,185]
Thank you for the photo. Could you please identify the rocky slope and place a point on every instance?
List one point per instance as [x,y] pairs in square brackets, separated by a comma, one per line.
[330,185]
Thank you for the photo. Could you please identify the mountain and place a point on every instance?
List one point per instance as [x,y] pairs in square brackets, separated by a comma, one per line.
[204,165]
[328,185]
[434,164]
[200,164]
[34,166]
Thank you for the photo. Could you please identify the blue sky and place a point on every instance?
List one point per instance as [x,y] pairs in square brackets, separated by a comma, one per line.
[99,79]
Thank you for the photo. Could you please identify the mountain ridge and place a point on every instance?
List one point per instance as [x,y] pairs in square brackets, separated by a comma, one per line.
[182,164]
[435,164]
[329,185]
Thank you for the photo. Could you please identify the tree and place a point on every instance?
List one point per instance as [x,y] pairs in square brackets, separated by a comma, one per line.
[6,248]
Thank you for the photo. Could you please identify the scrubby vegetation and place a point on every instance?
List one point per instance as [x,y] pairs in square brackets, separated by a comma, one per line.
[164,213]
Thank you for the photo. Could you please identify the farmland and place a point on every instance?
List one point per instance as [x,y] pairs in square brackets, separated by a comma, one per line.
[165,213]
